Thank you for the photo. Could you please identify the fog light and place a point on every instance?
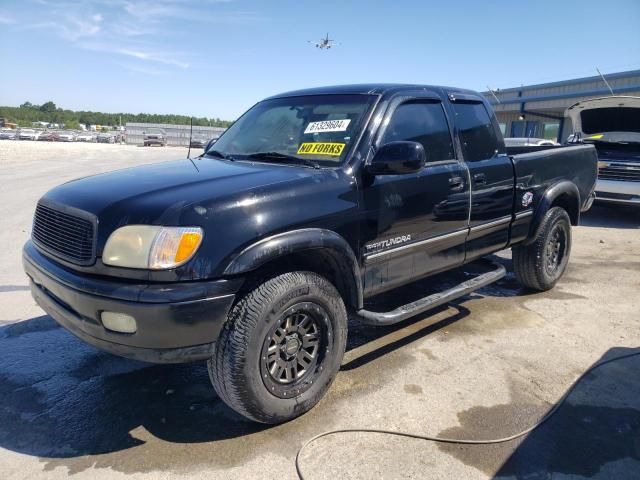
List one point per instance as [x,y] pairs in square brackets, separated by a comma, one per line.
[119,322]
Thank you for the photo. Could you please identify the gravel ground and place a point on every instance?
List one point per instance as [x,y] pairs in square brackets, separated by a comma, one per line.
[483,367]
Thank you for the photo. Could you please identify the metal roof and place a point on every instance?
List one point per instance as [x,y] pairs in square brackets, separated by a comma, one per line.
[563,83]
[512,98]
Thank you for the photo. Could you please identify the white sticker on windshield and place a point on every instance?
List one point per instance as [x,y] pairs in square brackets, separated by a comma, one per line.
[328,126]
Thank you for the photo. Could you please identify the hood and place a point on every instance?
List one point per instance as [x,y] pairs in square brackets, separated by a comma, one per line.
[606,114]
[180,192]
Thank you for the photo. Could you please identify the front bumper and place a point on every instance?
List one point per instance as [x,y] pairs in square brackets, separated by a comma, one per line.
[176,322]
[620,192]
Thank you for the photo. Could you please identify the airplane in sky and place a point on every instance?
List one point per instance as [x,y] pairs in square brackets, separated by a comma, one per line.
[324,43]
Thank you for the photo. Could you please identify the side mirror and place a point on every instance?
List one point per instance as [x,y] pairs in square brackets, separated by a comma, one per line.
[209,144]
[397,158]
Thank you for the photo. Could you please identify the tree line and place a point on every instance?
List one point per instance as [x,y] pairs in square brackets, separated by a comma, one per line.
[27,113]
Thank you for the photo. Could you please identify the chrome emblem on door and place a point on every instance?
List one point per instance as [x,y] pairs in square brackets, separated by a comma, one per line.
[527,198]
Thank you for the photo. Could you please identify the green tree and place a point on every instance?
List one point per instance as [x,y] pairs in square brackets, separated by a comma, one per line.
[27,113]
[48,107]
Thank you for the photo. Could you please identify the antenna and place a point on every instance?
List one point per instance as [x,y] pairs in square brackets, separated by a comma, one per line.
[190,137]
[605,81]
[492,93]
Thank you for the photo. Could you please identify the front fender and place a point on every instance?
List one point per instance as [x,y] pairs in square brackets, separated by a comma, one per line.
[277,246]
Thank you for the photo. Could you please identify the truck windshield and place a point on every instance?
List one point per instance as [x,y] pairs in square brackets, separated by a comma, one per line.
[314,129]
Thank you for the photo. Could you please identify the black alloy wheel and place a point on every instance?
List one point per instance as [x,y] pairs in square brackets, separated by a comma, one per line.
[294,349]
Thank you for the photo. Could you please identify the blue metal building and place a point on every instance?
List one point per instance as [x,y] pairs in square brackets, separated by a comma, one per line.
[538,110]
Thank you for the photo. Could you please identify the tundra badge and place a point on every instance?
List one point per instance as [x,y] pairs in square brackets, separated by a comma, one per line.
[388,243]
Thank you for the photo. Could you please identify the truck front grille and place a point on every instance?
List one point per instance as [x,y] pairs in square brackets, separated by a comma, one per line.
[620,172]
[64,235]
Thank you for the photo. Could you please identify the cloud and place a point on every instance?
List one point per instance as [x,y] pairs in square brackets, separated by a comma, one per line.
[143,69]
[132,30]
[4,20]
[137,29]
[155,12]
[162,7]
[146,54]
[163,58]
[72,27]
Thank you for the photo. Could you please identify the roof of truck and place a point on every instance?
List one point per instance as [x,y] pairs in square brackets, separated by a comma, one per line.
[367,88]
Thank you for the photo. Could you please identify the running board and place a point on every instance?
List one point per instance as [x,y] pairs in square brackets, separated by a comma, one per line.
[432,301]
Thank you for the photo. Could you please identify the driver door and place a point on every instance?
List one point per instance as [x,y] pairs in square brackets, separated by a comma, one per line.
[416,223]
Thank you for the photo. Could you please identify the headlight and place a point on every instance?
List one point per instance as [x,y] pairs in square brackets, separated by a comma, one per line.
[151,247]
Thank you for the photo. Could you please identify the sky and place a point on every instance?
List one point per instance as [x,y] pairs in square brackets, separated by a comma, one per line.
[216,58]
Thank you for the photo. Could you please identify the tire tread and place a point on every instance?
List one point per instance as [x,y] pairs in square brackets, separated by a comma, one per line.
[528,260]
[226,366]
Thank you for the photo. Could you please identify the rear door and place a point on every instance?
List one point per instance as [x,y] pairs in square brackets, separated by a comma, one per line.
[490,171]
[416,223]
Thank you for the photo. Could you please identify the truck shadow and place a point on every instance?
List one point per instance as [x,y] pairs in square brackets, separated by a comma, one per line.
[76,407]
[71,405]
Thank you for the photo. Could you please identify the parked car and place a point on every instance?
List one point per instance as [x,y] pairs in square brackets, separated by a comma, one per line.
[67,136]
[154,136]
[105,138]
[49,137]
[8,134]
[612,125]
[252,255]
[198,142]
[28,134]
[528,142]
[86,137]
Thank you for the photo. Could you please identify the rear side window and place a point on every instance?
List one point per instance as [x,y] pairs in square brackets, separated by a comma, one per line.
[424,123]
[477,135]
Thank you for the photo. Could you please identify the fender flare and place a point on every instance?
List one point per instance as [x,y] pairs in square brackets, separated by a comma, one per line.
[273,247]
[564,187]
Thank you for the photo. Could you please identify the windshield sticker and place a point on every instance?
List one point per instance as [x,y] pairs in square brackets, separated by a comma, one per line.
[321,148]
[327,126]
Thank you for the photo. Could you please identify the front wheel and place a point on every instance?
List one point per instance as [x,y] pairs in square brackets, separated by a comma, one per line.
[281,347]
[541,264]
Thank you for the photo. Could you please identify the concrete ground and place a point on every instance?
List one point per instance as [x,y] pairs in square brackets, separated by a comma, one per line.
[487,366]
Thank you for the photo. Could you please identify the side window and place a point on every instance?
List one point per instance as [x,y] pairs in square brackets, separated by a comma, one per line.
[424,123]
[477,135]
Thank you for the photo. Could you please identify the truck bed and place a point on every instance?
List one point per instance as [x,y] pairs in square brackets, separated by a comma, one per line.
[540,167]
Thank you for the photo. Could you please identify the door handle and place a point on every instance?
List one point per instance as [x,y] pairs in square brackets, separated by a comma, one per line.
[480,179]
[456,184]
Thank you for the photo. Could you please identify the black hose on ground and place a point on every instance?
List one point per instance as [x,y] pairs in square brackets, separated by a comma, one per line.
[462,441]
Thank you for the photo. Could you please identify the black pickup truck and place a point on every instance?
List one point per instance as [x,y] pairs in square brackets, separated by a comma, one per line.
[252,255]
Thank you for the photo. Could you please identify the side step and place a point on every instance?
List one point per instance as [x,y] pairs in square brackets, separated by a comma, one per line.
[435,300]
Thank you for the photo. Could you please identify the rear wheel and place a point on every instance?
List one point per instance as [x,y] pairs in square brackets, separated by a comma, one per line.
[281,347]
[540,264]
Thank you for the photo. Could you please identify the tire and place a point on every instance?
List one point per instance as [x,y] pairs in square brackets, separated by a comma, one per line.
[540,264]
[246,368]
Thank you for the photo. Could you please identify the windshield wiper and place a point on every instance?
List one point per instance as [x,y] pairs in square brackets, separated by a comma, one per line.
[216,153]
[283,156]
